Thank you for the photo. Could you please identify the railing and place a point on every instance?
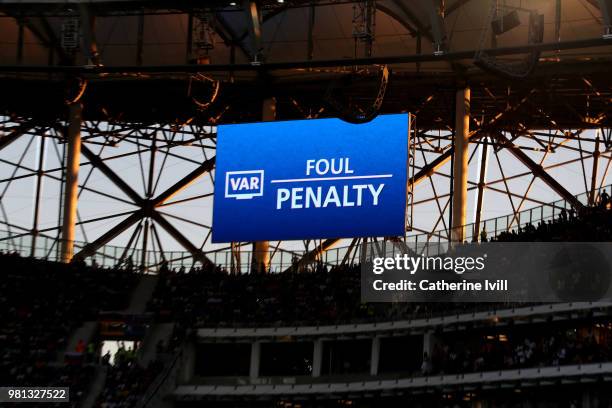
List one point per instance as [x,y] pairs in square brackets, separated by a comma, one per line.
[164,383]
[47,247]
[324,386]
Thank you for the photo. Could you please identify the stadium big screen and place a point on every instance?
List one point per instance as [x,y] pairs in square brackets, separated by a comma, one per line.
[311,179]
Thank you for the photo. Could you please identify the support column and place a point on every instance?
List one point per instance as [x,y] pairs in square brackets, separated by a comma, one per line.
[429,342]
[311,23]
[596,154]
[375,357]
[255,359]
[20,37]
[38,193]
[188,363]
[587,401]
[481,184]
[261,249]
[317,358]
[71,191]
[460,164]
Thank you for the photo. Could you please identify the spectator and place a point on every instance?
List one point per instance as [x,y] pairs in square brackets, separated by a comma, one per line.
[80,347]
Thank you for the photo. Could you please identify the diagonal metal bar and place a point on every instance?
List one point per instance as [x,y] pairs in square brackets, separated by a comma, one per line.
[163,164]
[197,254]
[59,227]
[389,10]
[183,200]
[451,9]
[158,240]
[44,34]
[430,168]
[112,176]
[435,193]
[134,236]
[92,247]
[312,255]
[205,167]
[414,20]
[503,176]
[13,135]
[537,170]
[229,35]
[198,224]
[10,179]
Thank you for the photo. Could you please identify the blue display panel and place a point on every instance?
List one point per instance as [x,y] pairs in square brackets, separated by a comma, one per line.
[310,179]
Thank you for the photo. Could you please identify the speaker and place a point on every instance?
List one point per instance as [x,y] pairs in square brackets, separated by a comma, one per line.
[506,23]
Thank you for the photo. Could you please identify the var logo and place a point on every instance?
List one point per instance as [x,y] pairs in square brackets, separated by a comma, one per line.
[244,185]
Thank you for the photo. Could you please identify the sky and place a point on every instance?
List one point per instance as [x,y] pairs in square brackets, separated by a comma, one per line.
[193,217]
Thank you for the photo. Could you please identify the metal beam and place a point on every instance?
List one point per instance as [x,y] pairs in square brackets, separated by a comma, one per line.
[240,39]
[44,34]
[145,239]
[594,3]
[481,185]
[311,23]
[20,41]
[345,62]
[183,183]
[140,38]
[537,170]
[13,135]
[92,247]
[229,36]
[606,12]
[53,42]
[431,167]
[596,154]
[319,249]
[391,9]
[558,20]
[451,9]
[38,193]
[251,9]
[71,187]
[460,164]
[436,21]
[197,253]
[89,36]
[97,162]
[189,45]
[420,26]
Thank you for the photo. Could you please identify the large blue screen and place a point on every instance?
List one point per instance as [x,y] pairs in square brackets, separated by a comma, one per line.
[310,179]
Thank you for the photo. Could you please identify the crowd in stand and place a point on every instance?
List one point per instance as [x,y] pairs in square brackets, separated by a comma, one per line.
[549,347]
[126,380]
[209,297]
[41,304]
[593,224]
[322,295]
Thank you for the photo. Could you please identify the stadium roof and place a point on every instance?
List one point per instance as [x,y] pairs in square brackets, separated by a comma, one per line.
[141,66]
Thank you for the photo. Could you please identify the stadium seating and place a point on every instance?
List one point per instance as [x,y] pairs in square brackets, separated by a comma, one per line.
[41,303]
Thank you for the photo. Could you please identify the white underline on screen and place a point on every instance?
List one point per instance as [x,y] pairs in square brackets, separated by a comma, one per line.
[374,176]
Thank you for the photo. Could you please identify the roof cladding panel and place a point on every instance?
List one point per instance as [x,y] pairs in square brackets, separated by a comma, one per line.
[285,29]
[123,83]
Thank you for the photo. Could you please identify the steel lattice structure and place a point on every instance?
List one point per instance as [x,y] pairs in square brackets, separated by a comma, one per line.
[529,141]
